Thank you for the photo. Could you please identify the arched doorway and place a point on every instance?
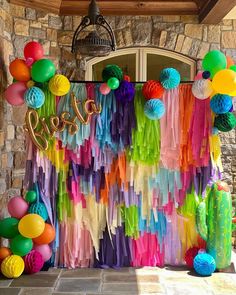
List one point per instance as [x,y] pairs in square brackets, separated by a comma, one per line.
[142,63]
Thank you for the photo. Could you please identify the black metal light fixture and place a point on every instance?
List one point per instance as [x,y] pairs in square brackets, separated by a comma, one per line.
[93,44]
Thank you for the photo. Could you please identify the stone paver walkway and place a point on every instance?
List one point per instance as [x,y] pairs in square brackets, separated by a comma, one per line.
[125,281]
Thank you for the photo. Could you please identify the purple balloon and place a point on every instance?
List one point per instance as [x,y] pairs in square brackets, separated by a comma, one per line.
[125,92]
[231,109]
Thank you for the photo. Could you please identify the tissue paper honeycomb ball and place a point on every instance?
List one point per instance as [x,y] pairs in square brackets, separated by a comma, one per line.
[204,264]
[34,97]
[190,255]
[225,122]
[170,78]
[125,92]
[112,71]
[59,85]
[221,103]
[33,262]
[40,209]
[154,109]
[202,89]
[12,266]
[152,89]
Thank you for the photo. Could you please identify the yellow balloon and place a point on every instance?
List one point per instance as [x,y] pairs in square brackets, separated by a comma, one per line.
[59,85]
[31,226]
[224,82]
[12,266]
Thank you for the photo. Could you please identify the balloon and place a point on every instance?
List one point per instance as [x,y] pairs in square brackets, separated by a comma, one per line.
[9,227]
[30,83]
[12,266]
[31,196]
[31,226]
[126,78]
[44,250]
[233,68]
[214,61]
[113,83]
[104,89]
[230,61]
[4,252]
[59,85]
[21,245]
[29,61]
[47,236]
[43,70]
[17,207]
[224,82]
[19,70]
[15,93]
[198,76]
[33,50]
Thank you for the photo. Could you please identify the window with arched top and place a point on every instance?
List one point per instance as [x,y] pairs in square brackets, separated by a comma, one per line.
[142,64]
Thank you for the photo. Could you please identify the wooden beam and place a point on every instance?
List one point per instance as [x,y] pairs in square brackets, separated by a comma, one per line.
[48,6]
[128,7]
[215,10]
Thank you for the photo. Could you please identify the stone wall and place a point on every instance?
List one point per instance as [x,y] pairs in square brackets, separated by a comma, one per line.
[19,25]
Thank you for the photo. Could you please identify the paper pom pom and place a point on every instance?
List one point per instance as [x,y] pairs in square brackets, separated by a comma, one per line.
[112,71]
[125,92]
[59,85]
[221,103]
[154,109]
[202,89]
[190,255]
[33,262]
[12,266]
[40,209]
[206,75]
[204,264]
[34,97]
[152,89]
[225,122]
[126,78]
[214,131]
[170,78]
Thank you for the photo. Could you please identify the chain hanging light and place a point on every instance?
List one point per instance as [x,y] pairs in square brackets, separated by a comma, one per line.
[93,44]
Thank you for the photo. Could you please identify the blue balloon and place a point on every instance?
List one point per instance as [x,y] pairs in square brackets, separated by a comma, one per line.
[221,103]
[154,109]
[40,209]
[170,78]
[204,264]
[34,97]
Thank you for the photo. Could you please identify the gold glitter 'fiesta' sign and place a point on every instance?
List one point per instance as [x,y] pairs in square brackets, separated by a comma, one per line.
[39,129]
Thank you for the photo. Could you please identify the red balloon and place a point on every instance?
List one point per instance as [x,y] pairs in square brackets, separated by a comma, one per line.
[33,50]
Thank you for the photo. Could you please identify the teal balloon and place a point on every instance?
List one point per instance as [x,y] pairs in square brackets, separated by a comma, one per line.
[214,61]
[43,70]
[113,83]
[9,227]
[21,245]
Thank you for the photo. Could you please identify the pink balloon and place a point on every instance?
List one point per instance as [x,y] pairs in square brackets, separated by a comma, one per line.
[29,61]
[44,250]
[15,93]
[104,89]
[17,207]
[198,76]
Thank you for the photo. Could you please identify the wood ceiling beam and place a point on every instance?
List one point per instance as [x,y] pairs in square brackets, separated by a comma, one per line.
[128,7]
[215,10]
[48,6]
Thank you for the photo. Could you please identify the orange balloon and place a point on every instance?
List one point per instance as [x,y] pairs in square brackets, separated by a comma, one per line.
[230,61]
[47,236]
[4,252]
[19,70]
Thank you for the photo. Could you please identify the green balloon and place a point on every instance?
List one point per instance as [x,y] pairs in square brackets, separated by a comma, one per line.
[31,197]
[233,68]
[21,245]
[214,61]
[113,83]
[43,70]
[9,227]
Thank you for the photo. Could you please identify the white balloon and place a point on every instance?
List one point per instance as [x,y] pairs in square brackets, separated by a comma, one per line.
[202,89]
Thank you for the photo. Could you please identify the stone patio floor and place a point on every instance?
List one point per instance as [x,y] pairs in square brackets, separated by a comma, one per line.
[125,281]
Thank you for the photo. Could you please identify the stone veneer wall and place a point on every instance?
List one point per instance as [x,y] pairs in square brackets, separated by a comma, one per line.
[18,25]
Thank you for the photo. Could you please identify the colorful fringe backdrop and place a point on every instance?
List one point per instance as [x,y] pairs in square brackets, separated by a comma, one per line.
[123,190]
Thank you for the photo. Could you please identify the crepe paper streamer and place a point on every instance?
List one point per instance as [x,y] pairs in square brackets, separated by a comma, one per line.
[146,136]
[34,97]
[130,217]
[125,92]
[221,103]
[170,78]
[154,109]
[215,151]
[204,264]
[170,131]
[202,89]
[225,122]
[216,230]
[190,255]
